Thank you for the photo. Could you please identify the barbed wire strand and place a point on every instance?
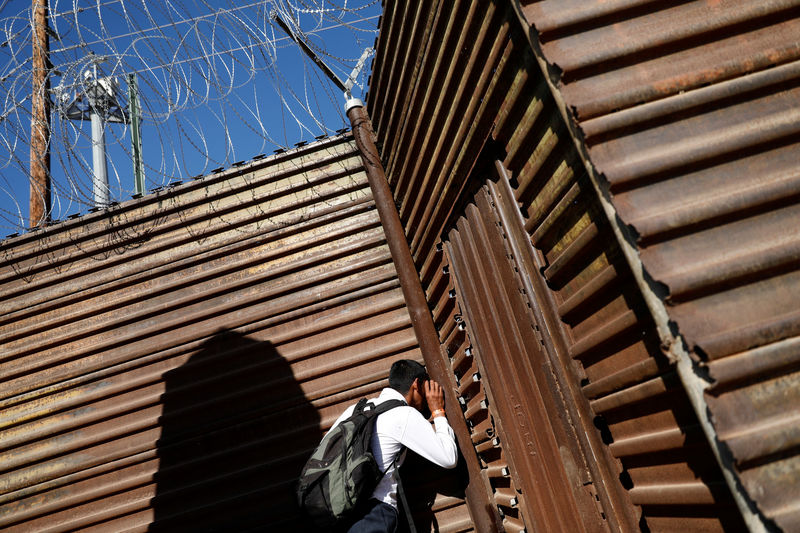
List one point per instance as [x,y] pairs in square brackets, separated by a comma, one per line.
[217,84]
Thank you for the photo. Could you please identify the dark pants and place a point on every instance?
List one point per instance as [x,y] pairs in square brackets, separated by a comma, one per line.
[379,518]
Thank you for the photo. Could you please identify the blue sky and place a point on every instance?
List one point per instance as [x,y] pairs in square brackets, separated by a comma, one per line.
[219,83]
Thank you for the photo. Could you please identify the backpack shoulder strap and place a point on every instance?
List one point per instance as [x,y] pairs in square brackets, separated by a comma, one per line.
[382,408]
[387,405]
[404,504]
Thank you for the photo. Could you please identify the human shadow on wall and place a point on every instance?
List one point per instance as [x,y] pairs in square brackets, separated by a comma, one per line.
[236,430]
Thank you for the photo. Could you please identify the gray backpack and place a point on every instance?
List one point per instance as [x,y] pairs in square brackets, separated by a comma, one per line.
[342,472]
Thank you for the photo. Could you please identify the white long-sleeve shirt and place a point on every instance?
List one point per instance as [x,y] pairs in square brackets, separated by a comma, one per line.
[405,426]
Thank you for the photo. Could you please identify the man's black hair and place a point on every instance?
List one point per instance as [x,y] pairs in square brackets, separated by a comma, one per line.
[403,373]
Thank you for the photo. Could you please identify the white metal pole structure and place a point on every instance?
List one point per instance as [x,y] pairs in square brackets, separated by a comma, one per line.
[99,165]
[95,93]
[98,103]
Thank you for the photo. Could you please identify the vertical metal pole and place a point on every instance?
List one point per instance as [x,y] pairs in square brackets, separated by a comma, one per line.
[395,236]
[100,181]
[40,201]
[136,135]
[415,299]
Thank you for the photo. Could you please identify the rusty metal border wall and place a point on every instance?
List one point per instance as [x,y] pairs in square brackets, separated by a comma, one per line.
[685,114]
[451,82]
[169,363]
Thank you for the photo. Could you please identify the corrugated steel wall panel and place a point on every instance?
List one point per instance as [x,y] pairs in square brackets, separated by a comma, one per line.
[634,395]
[169,363]
[479,88]
[456,347]
[465,123]
[549,479]
[687,113]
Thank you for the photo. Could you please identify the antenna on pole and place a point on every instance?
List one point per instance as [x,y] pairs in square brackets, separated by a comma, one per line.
[136,133]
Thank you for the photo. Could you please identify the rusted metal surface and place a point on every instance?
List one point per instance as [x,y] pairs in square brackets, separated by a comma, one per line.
[686,113]
[546,478]
[169,363]
[632,391]
[395,237]
[476,95]
[478,411]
